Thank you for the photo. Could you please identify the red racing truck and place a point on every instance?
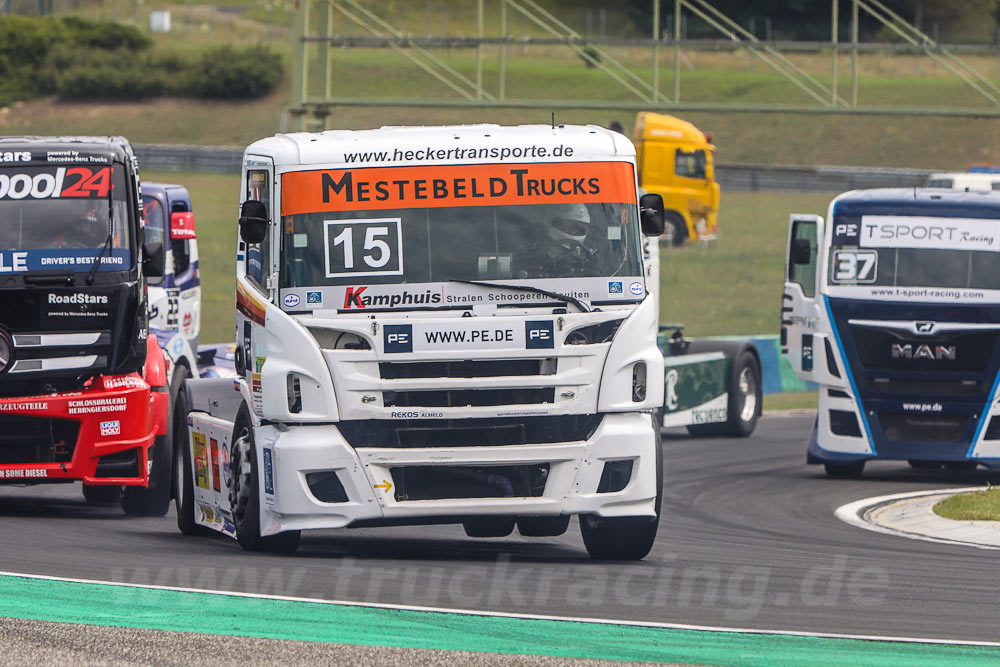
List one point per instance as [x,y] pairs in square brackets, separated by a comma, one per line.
[82,384]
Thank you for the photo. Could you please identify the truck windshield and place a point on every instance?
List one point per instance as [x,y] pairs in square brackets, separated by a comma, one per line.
[57,218]
[897,251]
[589,231]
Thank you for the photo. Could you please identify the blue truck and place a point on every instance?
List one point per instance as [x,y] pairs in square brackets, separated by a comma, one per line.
[892,306]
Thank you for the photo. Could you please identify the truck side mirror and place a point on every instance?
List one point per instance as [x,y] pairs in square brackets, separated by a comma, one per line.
[651,213]
[182,226]
[154,259]
[253,221]
[801,251]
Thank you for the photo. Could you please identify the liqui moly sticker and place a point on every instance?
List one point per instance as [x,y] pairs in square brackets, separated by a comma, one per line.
[111,428]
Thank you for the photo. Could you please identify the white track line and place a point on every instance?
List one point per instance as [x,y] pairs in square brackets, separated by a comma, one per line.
[501,614]
[853,513]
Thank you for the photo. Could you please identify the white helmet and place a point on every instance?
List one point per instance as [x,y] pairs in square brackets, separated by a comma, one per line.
[569,221]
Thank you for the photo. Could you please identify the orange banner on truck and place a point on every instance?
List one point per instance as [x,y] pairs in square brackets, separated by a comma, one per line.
[377,188]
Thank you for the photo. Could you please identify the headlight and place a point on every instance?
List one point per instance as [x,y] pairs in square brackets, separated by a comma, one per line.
[595,333]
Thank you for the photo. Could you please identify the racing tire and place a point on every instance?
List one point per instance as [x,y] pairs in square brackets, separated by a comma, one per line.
[102,495]
[924,465]
[489,526]
[244,493]
[183,471]
[744,386]
[542,526]
[154,500]
[627,537]
[674,230]
[845,470]
[745,396]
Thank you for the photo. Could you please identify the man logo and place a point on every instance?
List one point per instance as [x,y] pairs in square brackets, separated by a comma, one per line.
[923,327]
[936,352]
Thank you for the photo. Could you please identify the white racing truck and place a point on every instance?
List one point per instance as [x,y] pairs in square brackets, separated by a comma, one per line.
[436,325]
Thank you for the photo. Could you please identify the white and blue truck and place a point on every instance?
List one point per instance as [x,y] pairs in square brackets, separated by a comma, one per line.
[445,325]
[892,306]
[174,305]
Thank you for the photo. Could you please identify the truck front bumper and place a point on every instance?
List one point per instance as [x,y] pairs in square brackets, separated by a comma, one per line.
[294,459]
[97,436]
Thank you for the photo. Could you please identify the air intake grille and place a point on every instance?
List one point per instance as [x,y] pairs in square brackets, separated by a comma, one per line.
[467,397]
[923,428]
[444,482]
[488,432]
[466,369]
[36,439]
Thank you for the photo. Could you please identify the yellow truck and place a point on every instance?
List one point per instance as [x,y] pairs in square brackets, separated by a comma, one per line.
[677,161]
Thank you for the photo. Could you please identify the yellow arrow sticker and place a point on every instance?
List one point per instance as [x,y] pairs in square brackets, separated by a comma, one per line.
[385,485]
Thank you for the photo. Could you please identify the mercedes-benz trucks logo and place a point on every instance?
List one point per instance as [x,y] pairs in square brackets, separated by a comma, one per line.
[6,352]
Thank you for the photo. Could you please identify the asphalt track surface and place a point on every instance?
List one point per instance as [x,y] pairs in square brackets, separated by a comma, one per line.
[747,539]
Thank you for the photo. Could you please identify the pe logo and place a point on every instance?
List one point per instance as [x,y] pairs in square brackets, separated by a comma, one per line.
[291,300]
[615,287]
[398,338]
[636,288]
[538,334]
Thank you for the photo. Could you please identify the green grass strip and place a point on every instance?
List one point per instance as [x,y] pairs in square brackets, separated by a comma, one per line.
[100,604]
[974,506]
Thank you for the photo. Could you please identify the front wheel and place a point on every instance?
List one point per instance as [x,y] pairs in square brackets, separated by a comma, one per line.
[154,500]
[745,396]
[627,537]
[183,471]
[244,493]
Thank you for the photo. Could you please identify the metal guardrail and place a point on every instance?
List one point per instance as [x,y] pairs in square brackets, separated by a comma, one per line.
[732,177]
[189,158]
[779,178]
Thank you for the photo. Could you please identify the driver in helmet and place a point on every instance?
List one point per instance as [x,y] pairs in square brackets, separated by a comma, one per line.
[565,250]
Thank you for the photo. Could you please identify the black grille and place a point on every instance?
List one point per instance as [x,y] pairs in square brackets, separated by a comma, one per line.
[467,397]
[831,361]
[326,486]
[443,482]
[923,428]
[469,432]
[931,387]
[837,393]
[15,386]
[993,430]
[120,464]
[37,439]
[973,350]
[466,369]
[844,423]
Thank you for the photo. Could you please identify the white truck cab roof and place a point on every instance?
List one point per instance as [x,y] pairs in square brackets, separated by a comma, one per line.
[456,144]
[964,180]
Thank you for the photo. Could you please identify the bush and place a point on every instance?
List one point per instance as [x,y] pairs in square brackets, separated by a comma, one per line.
[227,72]
[110,82]
[106,35]
[100,60]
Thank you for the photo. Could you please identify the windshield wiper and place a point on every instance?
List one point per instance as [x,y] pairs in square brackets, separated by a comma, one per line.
[111,231]
[583,307]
